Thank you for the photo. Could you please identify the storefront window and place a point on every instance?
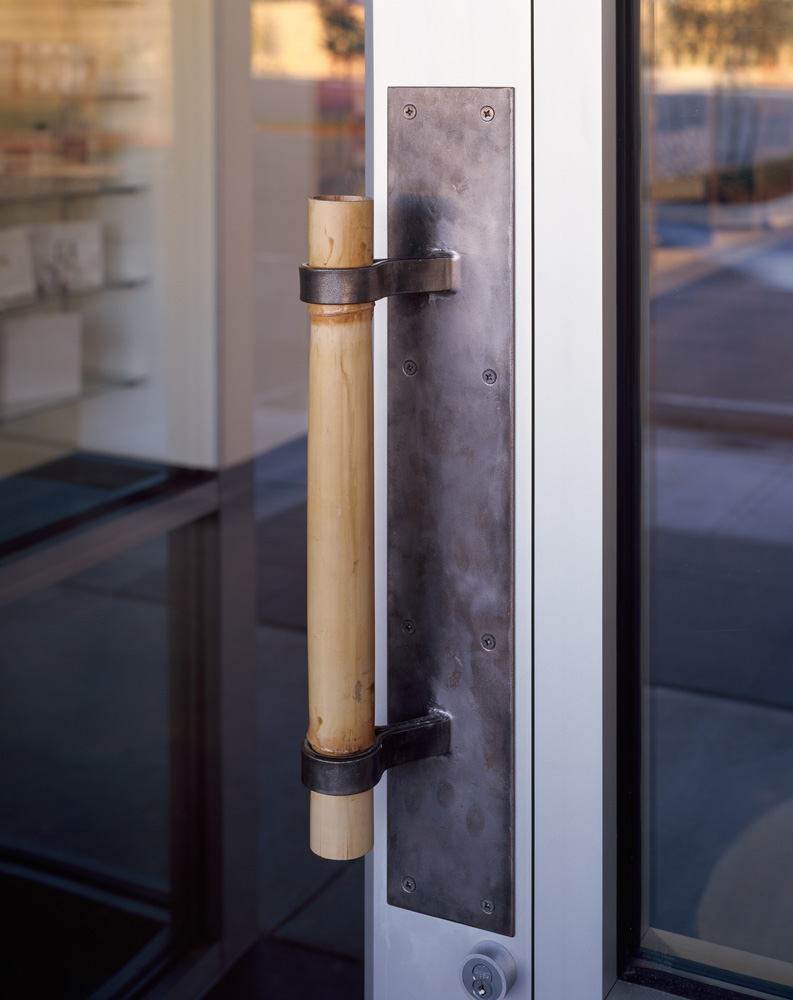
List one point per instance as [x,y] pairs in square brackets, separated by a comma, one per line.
[717,474]
[108,402]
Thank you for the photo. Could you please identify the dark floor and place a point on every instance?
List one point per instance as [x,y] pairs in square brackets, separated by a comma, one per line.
[263,971]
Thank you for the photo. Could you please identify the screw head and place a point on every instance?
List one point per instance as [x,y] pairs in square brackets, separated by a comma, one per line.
[410,367]
[488,906]
[408,626]
[489,376]
[409,884]
[409,111]
[489,641]
[487,114]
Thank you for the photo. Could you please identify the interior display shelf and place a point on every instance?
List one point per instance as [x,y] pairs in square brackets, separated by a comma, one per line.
[110,3]
[113,284]
[93,385]
[25,190]
[78,96]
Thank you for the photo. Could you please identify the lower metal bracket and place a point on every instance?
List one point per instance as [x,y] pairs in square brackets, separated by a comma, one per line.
[334,286]
[401,743]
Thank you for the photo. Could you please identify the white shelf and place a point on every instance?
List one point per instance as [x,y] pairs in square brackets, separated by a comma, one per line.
[94,384]
[16,191]
[113,284]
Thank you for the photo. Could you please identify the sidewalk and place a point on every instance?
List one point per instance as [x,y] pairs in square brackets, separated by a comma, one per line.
[721,698]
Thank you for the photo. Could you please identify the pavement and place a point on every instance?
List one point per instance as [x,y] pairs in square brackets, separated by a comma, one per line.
[719,554]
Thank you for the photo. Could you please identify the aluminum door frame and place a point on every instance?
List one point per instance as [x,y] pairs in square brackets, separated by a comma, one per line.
[564,481]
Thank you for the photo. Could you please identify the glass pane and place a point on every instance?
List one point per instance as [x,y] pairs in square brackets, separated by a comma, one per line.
[718,487]
[85,823]
[308,139]
[107,341]
[109,345]
[308,96]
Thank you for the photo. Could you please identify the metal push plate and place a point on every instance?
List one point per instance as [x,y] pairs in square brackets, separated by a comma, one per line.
[450,504]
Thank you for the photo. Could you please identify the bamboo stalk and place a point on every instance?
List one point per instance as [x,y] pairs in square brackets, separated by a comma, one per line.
[340,526]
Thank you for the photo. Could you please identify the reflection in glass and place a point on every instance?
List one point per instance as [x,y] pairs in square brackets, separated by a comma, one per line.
[308,138]
[718,495]
[106,277]
[308,87]
[85,841]
[108,396]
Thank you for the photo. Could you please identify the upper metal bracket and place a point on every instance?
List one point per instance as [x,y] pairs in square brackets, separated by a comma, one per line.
[394,276]
[401,743]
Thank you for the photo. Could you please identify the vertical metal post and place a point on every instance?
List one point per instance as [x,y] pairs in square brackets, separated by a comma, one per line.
[213,748]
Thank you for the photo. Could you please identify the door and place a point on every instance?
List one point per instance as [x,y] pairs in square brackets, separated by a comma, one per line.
[652,306]
[558,63]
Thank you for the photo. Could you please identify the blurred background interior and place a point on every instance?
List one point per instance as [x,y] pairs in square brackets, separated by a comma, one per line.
[152,497]
[113,420]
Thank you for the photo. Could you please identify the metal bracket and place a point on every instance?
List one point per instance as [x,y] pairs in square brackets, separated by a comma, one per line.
[438,272]
[401,743]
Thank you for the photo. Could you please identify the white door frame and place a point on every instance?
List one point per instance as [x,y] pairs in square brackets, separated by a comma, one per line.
[564,489]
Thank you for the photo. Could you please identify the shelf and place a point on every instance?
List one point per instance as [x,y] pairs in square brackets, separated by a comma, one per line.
[80,97]
[110,4]
[112,285]
[27,190]
[94,385]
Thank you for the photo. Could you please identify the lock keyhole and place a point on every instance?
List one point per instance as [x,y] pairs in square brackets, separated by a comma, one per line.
[482,981]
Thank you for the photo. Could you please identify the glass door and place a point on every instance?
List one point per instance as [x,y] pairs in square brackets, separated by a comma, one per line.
[125,595]
[716,473]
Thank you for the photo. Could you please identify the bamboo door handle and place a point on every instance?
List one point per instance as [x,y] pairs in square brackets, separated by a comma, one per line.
[340,526]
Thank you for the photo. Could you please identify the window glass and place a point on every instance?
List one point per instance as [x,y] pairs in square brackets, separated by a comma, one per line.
[108,348]
[107,336]
[308,89]
[85,761]
[307,64]
[717,358]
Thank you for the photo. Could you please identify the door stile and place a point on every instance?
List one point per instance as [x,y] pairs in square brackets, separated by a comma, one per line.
[452,44]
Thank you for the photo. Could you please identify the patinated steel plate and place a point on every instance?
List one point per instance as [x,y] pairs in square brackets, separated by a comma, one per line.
[450,504]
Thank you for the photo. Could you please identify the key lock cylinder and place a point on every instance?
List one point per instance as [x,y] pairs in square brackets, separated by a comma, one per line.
[448,746]
[489,972]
